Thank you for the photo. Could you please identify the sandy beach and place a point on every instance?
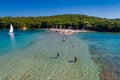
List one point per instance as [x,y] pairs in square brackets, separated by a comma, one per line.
[67,31]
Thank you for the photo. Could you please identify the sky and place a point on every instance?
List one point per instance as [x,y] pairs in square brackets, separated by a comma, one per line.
[98,8]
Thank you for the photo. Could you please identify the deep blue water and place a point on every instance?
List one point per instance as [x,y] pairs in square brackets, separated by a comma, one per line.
[105,51]
[108,41]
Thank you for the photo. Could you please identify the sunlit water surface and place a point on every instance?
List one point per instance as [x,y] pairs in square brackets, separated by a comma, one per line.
[105,51]
[31,55]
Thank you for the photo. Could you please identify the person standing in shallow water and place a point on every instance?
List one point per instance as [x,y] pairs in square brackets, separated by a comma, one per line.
[75,59]
[58,55]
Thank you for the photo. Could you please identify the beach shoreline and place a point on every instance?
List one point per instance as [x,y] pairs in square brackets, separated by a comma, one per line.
[67,31]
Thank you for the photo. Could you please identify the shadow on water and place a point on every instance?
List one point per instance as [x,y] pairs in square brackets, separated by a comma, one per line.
[54,58]
[72,61]
[57,56]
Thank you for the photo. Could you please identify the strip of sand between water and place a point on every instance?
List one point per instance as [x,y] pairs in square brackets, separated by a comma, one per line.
[67,31]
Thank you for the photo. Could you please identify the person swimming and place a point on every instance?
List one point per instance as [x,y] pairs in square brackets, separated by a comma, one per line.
[75,59]
[72,46]
[63,40]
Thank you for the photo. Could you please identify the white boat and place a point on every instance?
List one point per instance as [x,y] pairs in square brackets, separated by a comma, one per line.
[11,32]
[11,29]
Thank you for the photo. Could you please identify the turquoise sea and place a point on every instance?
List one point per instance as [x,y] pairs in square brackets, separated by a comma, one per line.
[32,55]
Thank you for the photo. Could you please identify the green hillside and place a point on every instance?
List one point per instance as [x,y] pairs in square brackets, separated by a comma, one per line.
[77,21]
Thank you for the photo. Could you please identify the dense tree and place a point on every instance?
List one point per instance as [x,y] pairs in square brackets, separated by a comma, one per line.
[76,21]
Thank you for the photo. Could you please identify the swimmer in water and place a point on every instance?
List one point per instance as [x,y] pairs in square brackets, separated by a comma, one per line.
[63,40]
[72,46]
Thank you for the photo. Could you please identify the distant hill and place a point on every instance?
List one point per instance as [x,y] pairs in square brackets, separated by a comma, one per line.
[76,21]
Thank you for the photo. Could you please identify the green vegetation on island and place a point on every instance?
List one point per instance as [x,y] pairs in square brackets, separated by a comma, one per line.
[76,21]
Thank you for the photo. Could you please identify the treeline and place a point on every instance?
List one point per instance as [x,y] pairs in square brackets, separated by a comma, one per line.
[76,21]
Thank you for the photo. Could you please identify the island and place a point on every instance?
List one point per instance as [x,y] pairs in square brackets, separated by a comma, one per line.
[63,21]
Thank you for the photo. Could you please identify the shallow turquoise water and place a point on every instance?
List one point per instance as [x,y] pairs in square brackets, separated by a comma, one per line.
[31,55]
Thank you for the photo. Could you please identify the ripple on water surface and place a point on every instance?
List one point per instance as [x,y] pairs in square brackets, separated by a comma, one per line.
[38,60]
[104,49]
